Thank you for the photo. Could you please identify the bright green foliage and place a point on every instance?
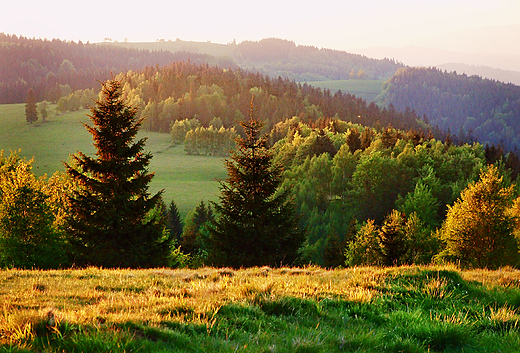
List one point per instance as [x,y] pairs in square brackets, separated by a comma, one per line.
[31,114]
[256,226]
[210,141]
[392,238]
[181,127]
[478,229]
[423,203]
[400,240]
[364,250]
[28,236]
[108,224]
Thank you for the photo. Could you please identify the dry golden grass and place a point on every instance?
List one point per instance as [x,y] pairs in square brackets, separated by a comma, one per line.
[96,297]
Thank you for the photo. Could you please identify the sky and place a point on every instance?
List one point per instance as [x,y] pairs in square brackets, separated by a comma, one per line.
[342,25]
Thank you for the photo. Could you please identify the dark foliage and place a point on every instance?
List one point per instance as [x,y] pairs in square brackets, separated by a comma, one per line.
[31,115]
[471,106]
[174,221]
[193,241]
[255,225]
[109,223]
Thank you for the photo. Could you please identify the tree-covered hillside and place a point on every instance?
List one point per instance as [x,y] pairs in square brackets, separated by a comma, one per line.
[184,90]
[486,110]
[277,57]
[53,68]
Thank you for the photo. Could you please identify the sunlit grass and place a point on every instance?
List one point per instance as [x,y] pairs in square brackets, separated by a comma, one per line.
[185,179]
[368,309]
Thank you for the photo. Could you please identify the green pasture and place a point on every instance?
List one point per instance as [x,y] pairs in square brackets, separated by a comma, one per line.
[185,179]
[366,89]
[288,310]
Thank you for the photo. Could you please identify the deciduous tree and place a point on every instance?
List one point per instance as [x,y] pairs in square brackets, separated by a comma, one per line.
[479,227]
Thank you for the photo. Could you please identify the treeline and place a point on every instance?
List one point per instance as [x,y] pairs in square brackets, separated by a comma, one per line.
[277,57]
[184,90]
[50,66]
[343,175]
[475,108]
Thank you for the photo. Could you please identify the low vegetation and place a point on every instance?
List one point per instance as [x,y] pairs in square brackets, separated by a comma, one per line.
[52,142]
[363,309]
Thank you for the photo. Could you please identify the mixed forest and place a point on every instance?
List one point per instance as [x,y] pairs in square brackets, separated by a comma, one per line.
[350,182]
[325,195]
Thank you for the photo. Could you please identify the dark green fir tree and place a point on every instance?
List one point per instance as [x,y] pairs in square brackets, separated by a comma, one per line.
[31,114]
[255,224]
[109,220]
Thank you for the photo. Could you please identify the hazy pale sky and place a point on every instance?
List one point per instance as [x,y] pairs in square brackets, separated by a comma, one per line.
[325,24]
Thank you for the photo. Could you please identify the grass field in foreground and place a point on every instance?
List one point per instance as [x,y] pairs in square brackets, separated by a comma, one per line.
[366,89]
[185,179]
[407,309]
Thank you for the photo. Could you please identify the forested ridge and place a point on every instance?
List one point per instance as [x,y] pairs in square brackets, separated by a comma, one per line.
[53,68]
[186,90]
[481,109]
[276,57]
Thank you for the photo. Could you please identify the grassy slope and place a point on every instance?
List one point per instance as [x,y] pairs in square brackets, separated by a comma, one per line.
[185,179]
[366,89]
[408,309]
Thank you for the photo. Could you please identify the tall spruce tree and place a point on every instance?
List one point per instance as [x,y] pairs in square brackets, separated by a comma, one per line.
[31,114]
[256,225]
[109,222]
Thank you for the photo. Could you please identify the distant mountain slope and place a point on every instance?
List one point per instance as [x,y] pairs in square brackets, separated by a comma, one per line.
[507,76]
[277,57]
[467,105]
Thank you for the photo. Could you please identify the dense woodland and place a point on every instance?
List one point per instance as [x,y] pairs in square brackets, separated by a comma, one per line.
[276,57]
[481,109]
[185,90]
[53,68]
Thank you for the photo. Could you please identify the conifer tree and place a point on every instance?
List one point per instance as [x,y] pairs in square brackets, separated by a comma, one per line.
[109,222]
[256,225]
[174,223]
[31,114]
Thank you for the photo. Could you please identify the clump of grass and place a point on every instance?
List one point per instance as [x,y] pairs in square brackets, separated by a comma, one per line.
[363,309]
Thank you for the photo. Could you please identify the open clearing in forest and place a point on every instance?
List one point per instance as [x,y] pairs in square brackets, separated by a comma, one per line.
[185,179]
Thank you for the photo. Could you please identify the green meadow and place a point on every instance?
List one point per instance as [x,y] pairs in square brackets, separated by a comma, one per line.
[185,179]
[366,89]
[302,310]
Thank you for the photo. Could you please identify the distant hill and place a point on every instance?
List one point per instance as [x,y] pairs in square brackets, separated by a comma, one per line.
[54,68]
[277,57]
[471,106]
[507,76]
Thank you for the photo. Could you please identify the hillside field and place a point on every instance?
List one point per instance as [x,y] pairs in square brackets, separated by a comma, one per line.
[366,89]
[362,309]
[185,179]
